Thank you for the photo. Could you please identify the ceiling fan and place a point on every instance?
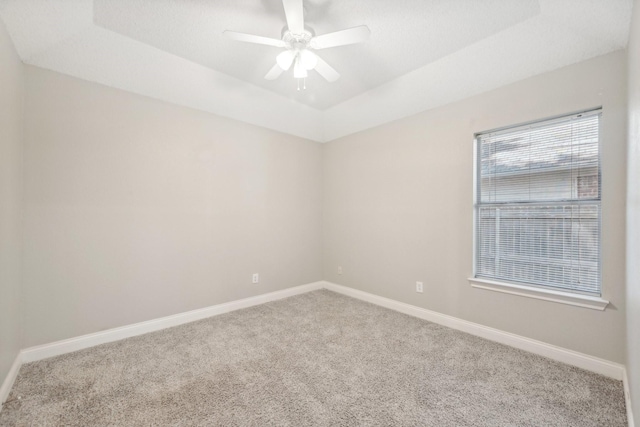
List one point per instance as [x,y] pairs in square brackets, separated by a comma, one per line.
[299,41]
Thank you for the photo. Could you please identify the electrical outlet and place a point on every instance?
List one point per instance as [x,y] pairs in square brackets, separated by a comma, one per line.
[339,269]
[419,287]
[255,278]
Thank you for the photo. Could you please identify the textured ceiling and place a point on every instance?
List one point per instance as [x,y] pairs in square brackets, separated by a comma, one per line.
[421,54]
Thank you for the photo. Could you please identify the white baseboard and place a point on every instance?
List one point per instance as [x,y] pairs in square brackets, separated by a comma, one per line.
[78,343]
[9,379]
[570,357]
[627,398]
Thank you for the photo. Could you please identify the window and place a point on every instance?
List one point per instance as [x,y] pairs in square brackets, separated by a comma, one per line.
[537,207]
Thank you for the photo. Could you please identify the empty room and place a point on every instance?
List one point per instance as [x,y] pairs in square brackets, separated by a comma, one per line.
[320,213]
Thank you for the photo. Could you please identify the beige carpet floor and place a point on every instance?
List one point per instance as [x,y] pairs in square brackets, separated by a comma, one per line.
[318,359]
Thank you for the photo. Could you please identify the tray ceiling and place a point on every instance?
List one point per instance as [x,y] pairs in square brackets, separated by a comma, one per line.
[400,41]
[174,50]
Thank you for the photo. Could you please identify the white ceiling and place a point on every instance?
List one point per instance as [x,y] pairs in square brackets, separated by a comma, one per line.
[422,53]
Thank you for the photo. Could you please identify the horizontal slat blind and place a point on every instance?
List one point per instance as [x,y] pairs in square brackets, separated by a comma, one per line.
[538,204]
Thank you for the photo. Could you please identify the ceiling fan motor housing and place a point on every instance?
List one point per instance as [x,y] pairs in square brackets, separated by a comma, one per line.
[299,41]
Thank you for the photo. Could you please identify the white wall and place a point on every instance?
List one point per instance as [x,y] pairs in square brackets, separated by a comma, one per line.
[633,214]
[398,207]
[137,209]
[11,121]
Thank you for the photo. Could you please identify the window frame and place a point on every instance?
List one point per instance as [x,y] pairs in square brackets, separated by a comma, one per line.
[557,295]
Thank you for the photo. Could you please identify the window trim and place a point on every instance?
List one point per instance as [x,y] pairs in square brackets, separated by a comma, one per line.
[596,302]
[579,300]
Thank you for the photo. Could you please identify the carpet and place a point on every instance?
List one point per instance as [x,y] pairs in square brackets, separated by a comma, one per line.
[317,359]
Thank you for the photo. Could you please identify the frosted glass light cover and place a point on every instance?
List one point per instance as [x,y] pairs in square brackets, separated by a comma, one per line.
[308,59]
[285,59]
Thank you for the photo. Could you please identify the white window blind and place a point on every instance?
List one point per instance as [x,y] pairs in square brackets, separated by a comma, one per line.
[538,204]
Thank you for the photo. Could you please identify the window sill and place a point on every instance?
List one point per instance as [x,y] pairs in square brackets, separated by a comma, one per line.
[594,303]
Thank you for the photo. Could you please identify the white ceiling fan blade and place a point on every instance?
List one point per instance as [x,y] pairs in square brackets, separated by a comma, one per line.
[294,13]
[274,73]
[326,71]
[250,38]
[341,38]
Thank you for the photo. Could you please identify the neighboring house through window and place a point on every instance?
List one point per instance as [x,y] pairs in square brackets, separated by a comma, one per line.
[537,207]
[587,186]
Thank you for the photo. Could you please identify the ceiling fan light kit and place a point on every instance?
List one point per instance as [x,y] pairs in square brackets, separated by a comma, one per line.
[298,42]
[299,72]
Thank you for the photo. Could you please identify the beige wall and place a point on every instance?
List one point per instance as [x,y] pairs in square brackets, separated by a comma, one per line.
[633,214]
[11,121]
[398,207]
[137,209]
